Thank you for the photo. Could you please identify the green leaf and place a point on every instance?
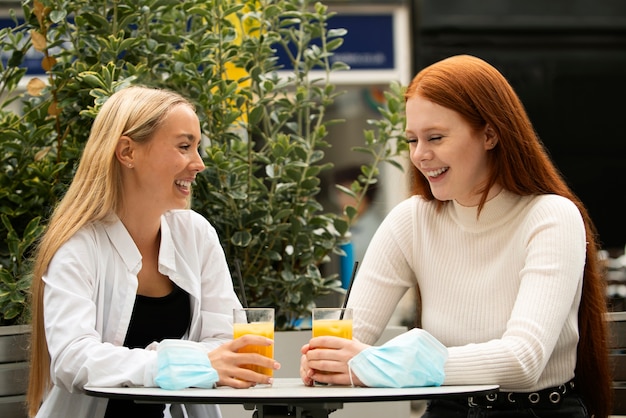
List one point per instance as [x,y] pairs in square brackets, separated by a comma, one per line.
[241,238]
[351,212]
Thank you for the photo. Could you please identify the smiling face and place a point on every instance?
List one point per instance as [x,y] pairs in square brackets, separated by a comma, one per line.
[448,152]
[160,171]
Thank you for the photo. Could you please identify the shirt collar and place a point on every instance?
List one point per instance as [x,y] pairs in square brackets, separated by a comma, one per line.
[123,244]
[167,251]
[128,251]
[496,211]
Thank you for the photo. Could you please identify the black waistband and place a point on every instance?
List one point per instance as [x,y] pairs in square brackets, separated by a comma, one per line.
[543,398]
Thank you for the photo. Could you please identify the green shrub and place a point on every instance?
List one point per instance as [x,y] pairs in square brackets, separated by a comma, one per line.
[266,129]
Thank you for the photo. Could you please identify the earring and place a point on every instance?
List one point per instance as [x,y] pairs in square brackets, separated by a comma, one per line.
[130,166]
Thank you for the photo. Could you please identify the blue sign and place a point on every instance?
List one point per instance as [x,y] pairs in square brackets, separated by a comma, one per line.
[368,44]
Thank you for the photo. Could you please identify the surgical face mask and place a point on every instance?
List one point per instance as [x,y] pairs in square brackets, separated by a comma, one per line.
[412,359]
[182,364]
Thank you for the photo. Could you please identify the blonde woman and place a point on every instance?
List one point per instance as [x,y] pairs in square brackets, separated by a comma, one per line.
[125,263]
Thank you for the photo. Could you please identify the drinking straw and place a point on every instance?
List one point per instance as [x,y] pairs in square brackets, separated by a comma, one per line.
[345,301]
[240,277]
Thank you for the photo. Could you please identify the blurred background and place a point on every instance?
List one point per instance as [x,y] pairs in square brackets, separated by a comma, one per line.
[565,58]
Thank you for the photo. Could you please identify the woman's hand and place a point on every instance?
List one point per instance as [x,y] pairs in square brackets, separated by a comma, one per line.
[325,360]
[227,361]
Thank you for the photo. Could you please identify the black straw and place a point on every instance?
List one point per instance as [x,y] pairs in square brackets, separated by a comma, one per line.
[345,301]
[240,277]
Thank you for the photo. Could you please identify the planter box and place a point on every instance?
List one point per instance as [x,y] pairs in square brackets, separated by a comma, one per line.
[14,342]
[287,352]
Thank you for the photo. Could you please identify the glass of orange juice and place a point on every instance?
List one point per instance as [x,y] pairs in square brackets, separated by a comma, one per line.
[257,321]
[336,322]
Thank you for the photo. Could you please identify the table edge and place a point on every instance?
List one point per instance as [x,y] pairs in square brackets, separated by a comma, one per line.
[261,399]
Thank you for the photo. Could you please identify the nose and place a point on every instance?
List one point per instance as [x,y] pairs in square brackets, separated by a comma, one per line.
[420,152]
[197,164]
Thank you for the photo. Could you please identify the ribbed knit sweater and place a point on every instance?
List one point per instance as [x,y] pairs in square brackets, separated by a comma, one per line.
[501,290]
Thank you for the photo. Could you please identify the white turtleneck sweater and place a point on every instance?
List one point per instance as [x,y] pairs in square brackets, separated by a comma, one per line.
[501,291]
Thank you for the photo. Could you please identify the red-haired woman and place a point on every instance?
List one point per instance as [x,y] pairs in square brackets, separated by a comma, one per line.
[502,253]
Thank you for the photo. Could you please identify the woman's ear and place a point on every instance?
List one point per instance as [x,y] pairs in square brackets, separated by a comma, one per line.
[491,138]
[125,151]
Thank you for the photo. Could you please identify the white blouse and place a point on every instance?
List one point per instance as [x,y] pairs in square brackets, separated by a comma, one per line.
[89,294]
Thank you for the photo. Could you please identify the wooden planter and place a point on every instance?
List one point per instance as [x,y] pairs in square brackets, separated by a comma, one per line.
[14,342]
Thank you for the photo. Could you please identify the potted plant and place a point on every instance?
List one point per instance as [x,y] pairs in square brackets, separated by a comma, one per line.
[266,129]
[265,126]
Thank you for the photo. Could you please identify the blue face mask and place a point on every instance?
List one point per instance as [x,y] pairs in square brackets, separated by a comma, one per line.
[182,364]
[412,359]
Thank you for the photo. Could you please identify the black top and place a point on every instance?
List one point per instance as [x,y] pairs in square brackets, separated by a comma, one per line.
[153,319]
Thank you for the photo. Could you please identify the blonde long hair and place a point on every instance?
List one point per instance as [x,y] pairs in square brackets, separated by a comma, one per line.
[520,163]
[94,195]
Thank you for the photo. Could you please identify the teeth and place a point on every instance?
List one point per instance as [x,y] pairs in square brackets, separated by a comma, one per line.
[436,173]
[183,183]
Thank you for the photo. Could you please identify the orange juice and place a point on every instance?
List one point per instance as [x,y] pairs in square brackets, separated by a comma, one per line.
[333,327]
[265,329]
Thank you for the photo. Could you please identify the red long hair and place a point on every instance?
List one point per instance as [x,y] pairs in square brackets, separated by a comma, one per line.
[520,163]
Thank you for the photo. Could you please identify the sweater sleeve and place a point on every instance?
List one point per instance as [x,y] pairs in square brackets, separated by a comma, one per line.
[385,275]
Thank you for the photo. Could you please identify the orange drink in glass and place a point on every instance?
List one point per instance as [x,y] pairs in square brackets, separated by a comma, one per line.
[257,321]
[334,322]
[333,327]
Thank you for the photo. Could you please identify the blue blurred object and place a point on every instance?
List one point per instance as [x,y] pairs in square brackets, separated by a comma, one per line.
[346,264]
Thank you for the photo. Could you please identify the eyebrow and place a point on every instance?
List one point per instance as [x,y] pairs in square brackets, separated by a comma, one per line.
[188,137]
[429,129]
